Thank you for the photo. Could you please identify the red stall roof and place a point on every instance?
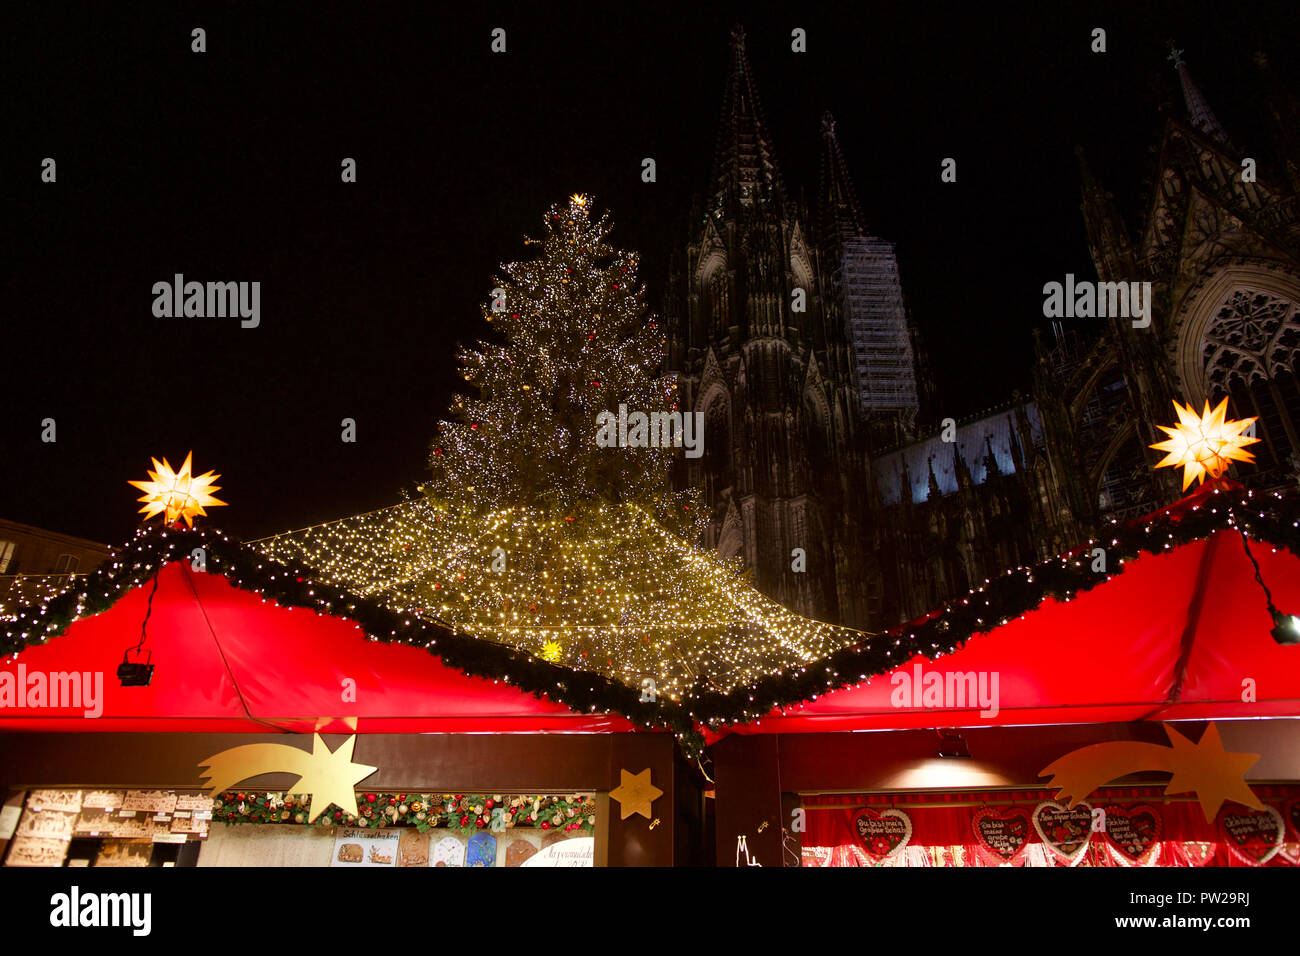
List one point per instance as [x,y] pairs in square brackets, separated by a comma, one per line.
[1179,631]
[1178,635]
[226,660]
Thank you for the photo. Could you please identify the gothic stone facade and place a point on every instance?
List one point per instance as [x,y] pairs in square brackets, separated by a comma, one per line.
[800,471]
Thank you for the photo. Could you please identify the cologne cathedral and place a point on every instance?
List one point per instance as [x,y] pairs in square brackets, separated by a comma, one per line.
[824,465]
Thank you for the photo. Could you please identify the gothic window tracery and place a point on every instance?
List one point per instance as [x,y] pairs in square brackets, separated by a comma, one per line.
[1249,352]
[717,299]
[1253,337]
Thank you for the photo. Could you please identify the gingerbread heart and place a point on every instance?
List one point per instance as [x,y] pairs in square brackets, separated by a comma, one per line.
[1064,832]
[1253,836]
[1002,833]
[1134,832]
[883,834]
[1198,852]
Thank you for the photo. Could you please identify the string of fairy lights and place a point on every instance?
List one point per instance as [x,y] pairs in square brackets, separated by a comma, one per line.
[538,558]
[572,337]
[603,588]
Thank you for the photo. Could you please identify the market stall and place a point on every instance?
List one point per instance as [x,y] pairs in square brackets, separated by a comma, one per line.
[273,723]
[1163,651]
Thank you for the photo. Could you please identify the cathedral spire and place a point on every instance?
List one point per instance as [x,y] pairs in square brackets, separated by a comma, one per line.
[1198,107]
[841,217]
[745,170]
[1107,236]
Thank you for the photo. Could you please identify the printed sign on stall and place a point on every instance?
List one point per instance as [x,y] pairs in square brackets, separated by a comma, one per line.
[355,847]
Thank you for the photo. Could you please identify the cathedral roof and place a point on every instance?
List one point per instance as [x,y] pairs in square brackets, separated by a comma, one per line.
[973,441]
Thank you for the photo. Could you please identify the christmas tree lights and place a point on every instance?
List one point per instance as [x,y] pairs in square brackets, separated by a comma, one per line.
[610,591]
[531,533]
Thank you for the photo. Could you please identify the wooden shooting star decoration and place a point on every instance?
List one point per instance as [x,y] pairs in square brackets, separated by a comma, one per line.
[1203,768]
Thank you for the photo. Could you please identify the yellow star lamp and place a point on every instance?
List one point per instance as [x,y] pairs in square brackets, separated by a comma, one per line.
[177,495]
[1205,444]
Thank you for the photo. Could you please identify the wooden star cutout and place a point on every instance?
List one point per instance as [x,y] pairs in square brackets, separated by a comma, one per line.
[635,793]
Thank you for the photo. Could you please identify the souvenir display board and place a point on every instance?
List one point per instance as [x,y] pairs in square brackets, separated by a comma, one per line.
[122,825]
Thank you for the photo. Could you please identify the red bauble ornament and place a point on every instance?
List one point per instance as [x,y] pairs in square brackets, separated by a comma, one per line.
[514,315]
[474,426]
[596,384]
[545,825]
[338,814]
[392,801]
[241,796]
[488,804]
[437,451]
[615,285]
[481,822]
[300,579]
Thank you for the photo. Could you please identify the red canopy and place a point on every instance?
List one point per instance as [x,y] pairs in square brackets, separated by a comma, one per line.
[227,661]
[1176,636]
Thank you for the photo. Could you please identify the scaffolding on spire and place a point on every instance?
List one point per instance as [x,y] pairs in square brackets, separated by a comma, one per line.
[884,368]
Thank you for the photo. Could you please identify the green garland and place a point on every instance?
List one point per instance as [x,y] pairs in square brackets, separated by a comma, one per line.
[1273,518]
[466,813]
[133,564]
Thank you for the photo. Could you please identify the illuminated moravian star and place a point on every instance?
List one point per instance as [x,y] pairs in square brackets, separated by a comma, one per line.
[1204,445]
[177,495]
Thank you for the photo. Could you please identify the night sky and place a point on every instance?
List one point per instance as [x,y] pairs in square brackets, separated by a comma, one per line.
[224,166]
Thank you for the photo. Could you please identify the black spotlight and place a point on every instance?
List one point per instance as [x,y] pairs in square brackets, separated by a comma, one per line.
[952,744]
[1286,627]
[135,674]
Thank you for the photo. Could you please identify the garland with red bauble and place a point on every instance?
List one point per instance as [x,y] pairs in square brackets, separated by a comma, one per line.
[423,811]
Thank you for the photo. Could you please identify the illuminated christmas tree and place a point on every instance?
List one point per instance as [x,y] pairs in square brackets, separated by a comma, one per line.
[575,340]
[531,533]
